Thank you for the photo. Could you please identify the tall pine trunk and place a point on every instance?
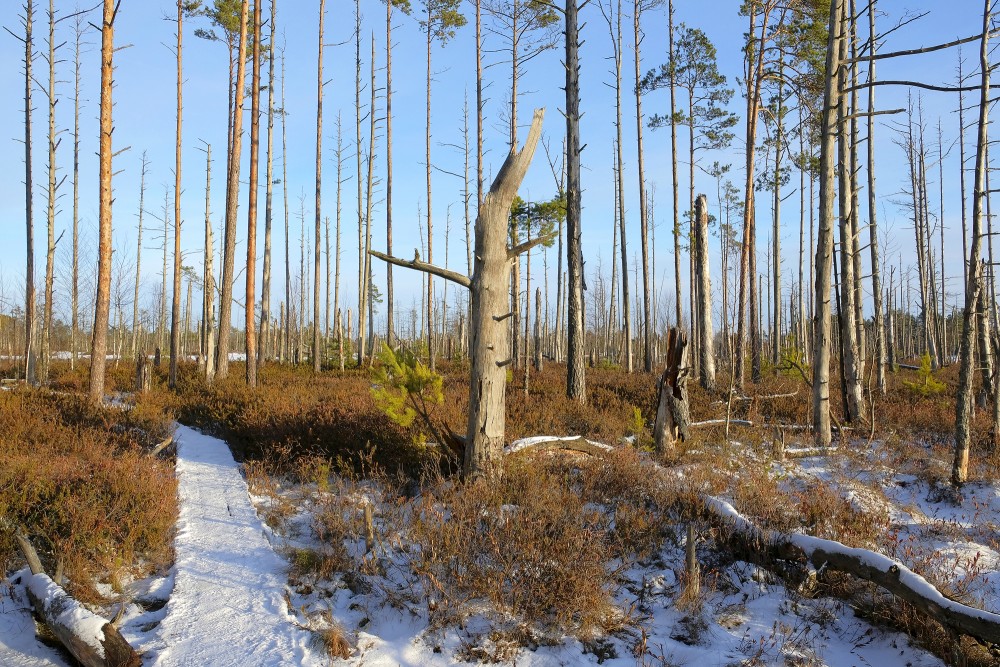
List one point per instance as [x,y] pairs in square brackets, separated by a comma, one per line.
[175,313]
[265,303]
[99,345]
[250,321]
[576,387]
[232,195]
[963,407]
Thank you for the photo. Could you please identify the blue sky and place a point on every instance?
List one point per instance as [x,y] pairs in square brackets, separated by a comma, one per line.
[144,121]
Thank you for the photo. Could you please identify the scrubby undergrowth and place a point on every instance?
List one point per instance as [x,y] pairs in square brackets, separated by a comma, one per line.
[76,479]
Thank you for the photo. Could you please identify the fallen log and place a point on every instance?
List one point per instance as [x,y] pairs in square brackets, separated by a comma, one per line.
[879,569]
[154,452]
[91,639]
[750,424]
[573,444]
[777,551]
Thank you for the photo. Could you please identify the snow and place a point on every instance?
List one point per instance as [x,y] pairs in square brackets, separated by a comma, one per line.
[228,604]
[18,645]
[68,613]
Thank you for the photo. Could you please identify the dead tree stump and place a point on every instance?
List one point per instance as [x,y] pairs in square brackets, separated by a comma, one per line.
[672,417]
[142,376]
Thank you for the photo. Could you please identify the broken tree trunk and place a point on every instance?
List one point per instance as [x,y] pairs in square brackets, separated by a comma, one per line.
[92,640]
[706,350]
[672,409]
[142,377]
[489,342]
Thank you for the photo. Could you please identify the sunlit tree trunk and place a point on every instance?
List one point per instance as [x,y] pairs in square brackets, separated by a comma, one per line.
[265,304]
[232,194]
[175,313]
[99,345]
[250,321]
[963,407]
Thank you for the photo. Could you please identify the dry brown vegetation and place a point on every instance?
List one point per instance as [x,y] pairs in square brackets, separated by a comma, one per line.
[76,478]
[543,549]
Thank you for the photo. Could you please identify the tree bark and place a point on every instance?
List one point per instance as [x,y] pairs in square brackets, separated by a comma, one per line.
[232,195]
[576,387]
[706,367]
[643,213]
[390,333]
[29,272]
[53,186]
[317,357]
[250,307]
[672,417]
[822,325]
[99,344]
[854,406]
[175,313]
[879,323]
[265,302]
[963,407]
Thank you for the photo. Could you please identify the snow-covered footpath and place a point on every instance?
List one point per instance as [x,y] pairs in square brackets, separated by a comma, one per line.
[228,605]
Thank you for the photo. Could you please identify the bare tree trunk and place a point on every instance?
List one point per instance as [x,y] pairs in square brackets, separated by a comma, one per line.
[576,387]
[365,305]
[822,326]
[99,345]
[748,263]
[208,314]
[643,213]
[75,305]
[29,273]
[357,156]
[390,334]
[287,329]
[672,419]
[265,303]
[776,234]
[175,313]
[50,254]
[232,195]
[671,56]
[880,347]
[336,274]
[430,227]
[706,368]
[859,316]
[854,407]
[620,186]
[963,407]
[317,256]
[250,309]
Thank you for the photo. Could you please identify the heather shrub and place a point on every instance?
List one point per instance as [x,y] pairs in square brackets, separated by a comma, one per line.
[75,478]
[527,546]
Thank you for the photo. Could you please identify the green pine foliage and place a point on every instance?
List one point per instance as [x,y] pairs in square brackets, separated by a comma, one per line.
[926,384]
[403,388]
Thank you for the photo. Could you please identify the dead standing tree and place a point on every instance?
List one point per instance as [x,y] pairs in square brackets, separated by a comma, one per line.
[489,286]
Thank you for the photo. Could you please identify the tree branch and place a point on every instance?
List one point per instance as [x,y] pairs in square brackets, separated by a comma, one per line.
[528,245]
[415,263]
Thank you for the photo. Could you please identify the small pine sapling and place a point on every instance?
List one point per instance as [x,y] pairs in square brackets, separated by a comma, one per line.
[403,388]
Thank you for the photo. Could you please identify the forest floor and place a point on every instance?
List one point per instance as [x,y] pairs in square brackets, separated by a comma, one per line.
[309,558]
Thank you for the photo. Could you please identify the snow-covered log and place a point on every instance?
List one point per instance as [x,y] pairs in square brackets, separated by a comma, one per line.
[571,443]
[91,639]
[879,569]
